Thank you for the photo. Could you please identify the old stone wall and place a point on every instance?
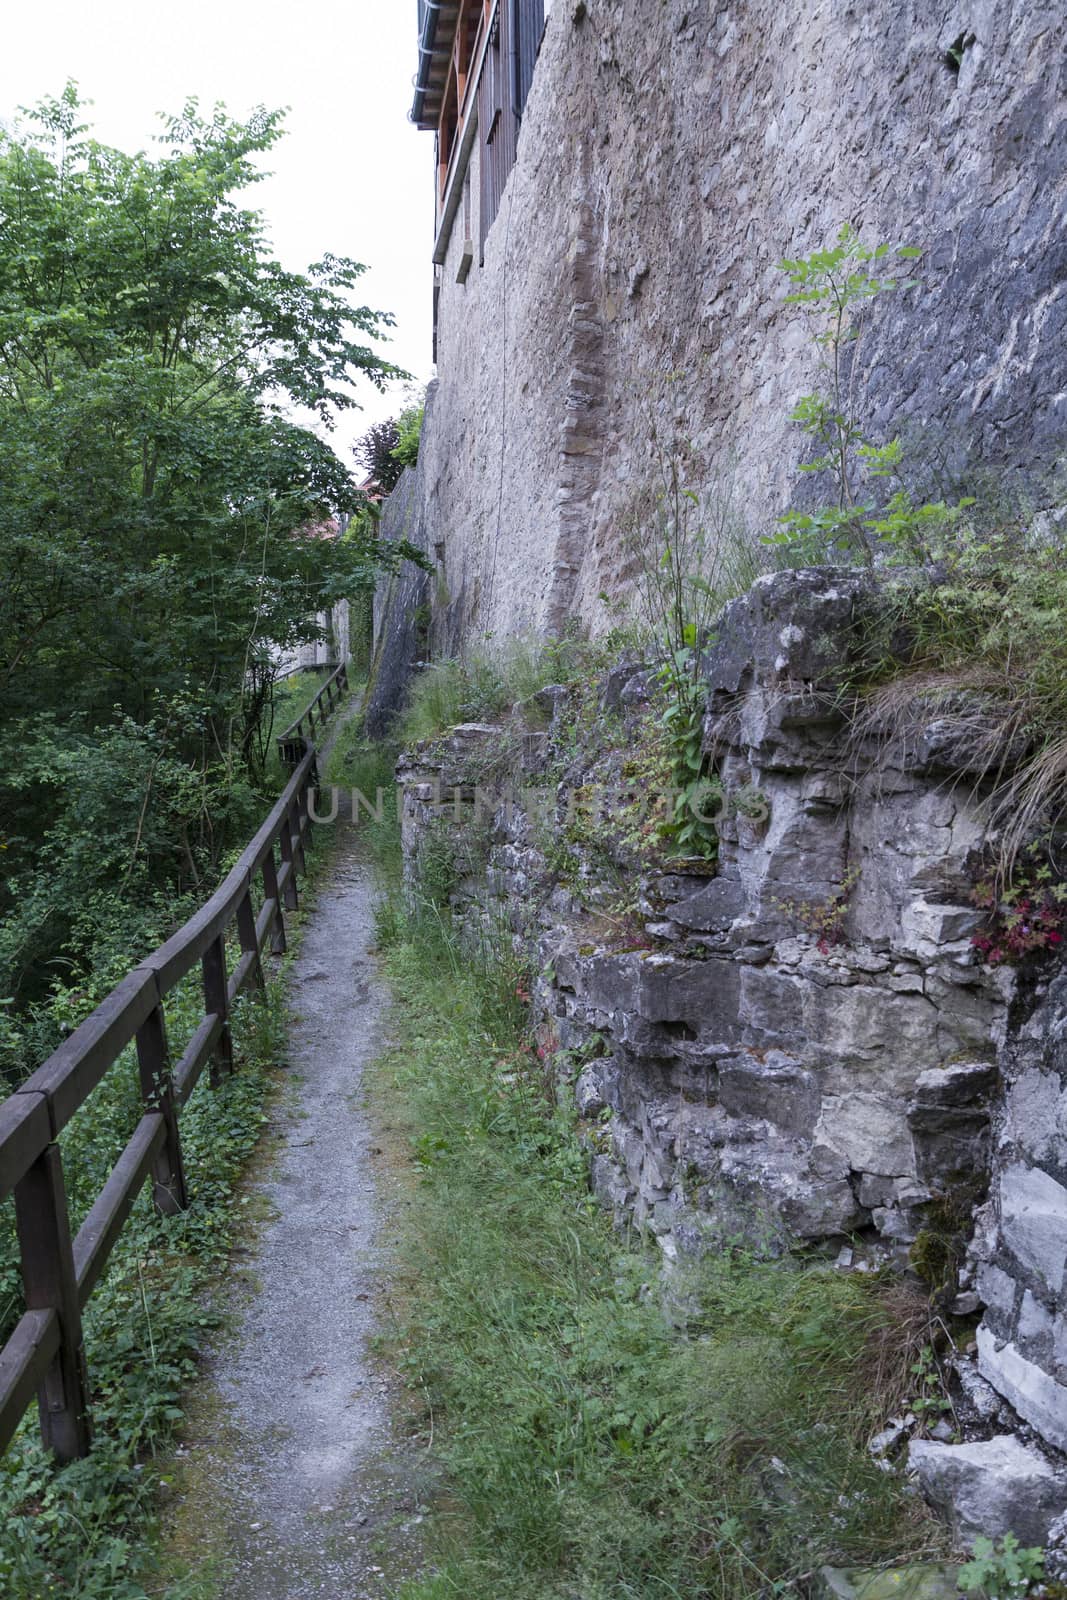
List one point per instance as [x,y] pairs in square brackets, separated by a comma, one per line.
[798,1045]
[1021,1243]
[671,153]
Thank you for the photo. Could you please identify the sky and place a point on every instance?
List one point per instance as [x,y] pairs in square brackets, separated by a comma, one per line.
[352,175]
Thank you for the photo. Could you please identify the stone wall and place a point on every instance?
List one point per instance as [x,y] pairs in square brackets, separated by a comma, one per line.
[670,154]
[1021,1243]
[401,601]
[798,1046]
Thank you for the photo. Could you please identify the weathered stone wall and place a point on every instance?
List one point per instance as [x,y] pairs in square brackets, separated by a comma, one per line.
[748,1068]
[670,154]
[401,602]
[1021,1244]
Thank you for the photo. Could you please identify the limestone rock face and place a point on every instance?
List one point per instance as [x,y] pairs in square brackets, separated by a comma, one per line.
[795,1044]
[990,1488]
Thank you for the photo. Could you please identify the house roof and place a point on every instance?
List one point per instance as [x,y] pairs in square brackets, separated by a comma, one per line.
[437,33]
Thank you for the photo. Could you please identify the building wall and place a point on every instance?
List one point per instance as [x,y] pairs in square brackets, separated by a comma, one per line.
[671,153]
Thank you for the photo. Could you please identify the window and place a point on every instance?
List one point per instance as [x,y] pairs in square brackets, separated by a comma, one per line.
[514,41]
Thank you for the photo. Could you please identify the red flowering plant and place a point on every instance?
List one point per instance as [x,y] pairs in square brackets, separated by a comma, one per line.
[1025,917]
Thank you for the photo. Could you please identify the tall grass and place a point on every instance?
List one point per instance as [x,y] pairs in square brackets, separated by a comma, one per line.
[985,644]
[596,1446]
[486,683]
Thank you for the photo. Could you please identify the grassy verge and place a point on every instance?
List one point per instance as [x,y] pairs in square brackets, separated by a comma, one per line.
[90,1531]
[600,1442]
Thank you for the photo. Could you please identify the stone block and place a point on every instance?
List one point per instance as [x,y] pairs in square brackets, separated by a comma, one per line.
[711,909]
[951,1144]
[991,1487]
[876,1190]
[1037,1112]
[870,1132]
[867,1037]
[926,927]
[772,1003]
[596,1087]
[955,1085]
[1033,1222]
[997,1289]
[927,1581]
[776,1087]
[1034,1393]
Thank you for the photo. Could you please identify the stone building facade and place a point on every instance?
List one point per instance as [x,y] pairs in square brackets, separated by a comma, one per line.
[627,291]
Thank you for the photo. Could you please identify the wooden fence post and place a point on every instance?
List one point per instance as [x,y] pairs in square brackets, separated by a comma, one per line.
[43,1225]
[285,845]
[246,931]
[157,1090]
[217,1001]
[270,892]
[297,833]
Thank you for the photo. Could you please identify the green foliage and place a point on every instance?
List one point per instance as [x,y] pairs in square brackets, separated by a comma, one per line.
[1002,1571]
[487,683]
[375,453]
[940,1247]
[154,497]
[409,432]
[983,644]
[928,1399]
[835,286]
[691,553]
[368,769]
[388,447]
[84,1531]
[824,920]
[594,1447]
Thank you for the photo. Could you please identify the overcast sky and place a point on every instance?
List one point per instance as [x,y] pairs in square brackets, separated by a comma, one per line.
[352,175]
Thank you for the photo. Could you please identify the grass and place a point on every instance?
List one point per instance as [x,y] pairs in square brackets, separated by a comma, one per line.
[603,1439]
[984,645]
[486,684]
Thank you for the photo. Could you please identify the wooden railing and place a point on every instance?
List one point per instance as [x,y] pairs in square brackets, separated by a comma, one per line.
[292,743]
[45,1353]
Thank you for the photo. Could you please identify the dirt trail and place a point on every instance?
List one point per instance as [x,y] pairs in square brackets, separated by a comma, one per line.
[312,1497]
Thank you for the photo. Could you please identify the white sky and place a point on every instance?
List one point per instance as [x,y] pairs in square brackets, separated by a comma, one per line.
[351,176]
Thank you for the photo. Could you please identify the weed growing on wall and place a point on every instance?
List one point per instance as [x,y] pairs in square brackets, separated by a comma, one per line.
[1024,917]
[980,643]
[873,512]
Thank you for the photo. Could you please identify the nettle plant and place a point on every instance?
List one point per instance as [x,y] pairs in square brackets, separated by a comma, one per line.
[1002,1571]
[873,512]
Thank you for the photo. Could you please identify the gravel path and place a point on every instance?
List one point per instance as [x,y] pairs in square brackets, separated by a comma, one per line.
[314,1498]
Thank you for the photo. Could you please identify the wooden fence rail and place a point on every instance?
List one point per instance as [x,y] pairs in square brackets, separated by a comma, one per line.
[292,743]
[45,1354]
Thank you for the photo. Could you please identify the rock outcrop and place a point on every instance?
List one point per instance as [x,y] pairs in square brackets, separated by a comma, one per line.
[798,1045]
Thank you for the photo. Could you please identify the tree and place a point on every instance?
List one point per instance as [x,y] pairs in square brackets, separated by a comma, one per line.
[375,452]
[153,489]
